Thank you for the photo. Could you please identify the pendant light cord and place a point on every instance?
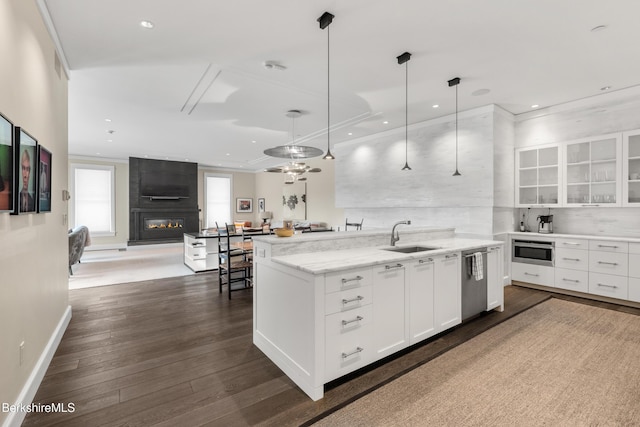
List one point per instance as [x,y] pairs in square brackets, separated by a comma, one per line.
[456,128]
[406,114]
[328,93]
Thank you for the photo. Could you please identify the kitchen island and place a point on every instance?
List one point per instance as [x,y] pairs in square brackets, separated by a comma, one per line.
[326,305]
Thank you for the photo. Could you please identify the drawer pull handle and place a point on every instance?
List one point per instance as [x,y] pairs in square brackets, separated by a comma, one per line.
[531,274]
[608,263]
[357,319]
[344,281]
[571,280]
[571,243]
[356,299]
[571,259]
[608,246]
[389,267]
[608,286]
[424,261]
[451,256]
[356,351]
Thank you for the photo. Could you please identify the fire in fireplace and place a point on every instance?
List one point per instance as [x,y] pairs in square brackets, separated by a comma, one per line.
[163,224]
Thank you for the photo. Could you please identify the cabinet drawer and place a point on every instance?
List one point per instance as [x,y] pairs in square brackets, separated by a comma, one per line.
[198,252]
[348,341]
[573,280]
[348,300]
[634,265]
[575,259]
[565,243]
[347,279]
[608,246]
[634,248]
[531,273]
[608,285]
[609,263]
[634,289]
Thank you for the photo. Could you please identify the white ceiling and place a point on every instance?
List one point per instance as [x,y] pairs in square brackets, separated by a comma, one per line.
[147,82]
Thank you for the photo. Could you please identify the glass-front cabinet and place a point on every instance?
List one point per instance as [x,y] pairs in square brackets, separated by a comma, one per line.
[631,168]
[591,175]
[538,176]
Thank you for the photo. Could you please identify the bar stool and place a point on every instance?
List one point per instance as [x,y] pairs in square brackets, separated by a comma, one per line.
[358,226]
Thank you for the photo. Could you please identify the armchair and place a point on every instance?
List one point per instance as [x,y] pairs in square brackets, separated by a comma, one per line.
[78,240]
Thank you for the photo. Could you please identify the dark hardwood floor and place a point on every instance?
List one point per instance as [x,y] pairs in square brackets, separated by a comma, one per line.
[175,352]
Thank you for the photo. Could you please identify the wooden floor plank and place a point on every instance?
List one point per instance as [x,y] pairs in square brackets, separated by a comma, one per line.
[177,352]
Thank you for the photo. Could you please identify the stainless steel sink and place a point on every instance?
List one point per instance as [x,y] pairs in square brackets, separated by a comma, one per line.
[411,249]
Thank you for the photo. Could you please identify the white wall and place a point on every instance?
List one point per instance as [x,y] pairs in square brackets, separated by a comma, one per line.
[371,185]
[33,247]
[604,114]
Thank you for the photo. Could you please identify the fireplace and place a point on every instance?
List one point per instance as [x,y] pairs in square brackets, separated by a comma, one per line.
[163,200]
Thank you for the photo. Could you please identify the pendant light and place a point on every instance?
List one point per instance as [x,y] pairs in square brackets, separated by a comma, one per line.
[454,82]
[292,151]
[404,59]
[325,20]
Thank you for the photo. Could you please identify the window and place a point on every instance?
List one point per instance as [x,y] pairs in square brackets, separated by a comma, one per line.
[217,199]
[93,198]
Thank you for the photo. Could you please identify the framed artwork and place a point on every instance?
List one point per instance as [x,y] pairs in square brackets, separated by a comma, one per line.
[260,205]
[26,171]
[294,201]
[44,180]
[244,205]
[7,162]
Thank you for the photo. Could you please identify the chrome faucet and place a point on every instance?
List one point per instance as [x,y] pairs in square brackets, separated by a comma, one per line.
[394,235]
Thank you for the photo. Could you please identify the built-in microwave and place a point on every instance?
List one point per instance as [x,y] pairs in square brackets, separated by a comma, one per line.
[533,252]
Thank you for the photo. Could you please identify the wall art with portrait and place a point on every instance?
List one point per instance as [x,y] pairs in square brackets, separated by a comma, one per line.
[44,179]
[26,150]
[7,165]
[294,201]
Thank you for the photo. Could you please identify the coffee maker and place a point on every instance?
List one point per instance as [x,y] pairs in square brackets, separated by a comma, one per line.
[545,224]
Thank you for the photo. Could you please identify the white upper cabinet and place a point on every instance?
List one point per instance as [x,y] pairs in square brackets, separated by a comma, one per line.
[631,168]
[538,176]
[592,171]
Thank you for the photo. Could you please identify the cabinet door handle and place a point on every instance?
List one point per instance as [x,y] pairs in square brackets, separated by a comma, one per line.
[389,267]
[608,263]
[571,280]
[531,274]
[571,259]
[424,261]
[344,281]
[451,256]
[356,299]
[607,286]
[356,351]
[608,246]
[357,319]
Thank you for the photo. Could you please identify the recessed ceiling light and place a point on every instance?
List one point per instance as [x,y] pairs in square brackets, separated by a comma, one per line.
[107,120]
[385,122]
[253,142]
[598,28]
[97,154]
[228,154]
[605,88]
[535,106]
[147,24]
[350,133]
[480,92]
[435,106]
[109,140]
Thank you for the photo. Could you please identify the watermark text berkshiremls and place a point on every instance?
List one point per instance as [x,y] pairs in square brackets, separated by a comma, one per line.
[40,407]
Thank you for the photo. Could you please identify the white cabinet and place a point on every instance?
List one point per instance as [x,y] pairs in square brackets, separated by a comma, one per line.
[447,292]
[495,287]
[538,180]
[531,273]
[389,311]
[592,171]
[420,275]
[631,168]
[200,253]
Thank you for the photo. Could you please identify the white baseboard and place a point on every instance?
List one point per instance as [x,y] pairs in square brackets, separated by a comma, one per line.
[15,419]
[106,247]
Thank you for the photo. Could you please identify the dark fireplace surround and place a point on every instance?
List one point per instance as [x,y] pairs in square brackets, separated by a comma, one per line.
[163,200]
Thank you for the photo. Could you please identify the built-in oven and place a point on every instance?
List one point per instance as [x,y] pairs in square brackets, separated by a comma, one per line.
[538,252]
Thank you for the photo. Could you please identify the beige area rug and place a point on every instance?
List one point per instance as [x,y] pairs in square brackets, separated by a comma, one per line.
[557,364]
[137,263]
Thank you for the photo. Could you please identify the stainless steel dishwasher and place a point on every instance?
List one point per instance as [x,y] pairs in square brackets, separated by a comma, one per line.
[474,292]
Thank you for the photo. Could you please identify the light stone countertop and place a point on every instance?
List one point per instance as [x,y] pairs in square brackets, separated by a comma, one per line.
[343,259]
[542,236]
